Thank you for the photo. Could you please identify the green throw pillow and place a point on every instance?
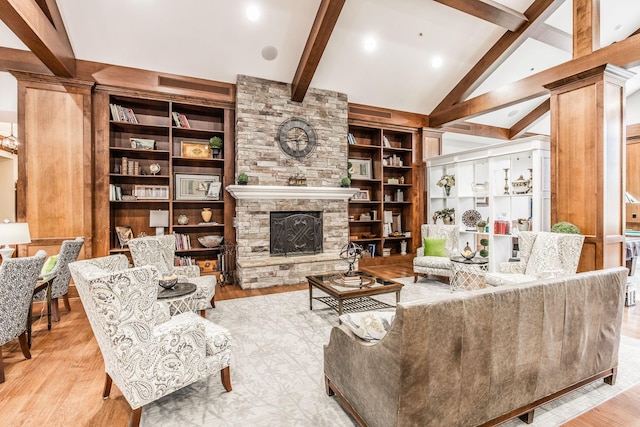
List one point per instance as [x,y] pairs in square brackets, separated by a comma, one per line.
[435,247]
[48,265]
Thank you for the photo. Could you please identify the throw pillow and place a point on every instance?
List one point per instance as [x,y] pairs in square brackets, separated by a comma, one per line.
[369,325]
[49,264]
[434,246]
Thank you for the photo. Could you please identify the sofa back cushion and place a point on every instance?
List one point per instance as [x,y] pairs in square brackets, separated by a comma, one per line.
[435,246]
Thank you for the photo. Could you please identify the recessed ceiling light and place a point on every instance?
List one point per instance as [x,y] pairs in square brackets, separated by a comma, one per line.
[436,62]
[253,12]
[370,44]
[269,53]
[512,113]
[618,27]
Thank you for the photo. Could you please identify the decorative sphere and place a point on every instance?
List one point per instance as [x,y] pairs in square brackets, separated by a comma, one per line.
[350,254]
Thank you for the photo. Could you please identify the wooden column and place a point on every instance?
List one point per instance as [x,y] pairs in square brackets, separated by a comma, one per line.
[431,147]
[588,161]
[55,162]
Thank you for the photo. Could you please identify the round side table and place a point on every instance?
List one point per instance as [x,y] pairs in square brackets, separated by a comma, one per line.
[179,298]
[468,274]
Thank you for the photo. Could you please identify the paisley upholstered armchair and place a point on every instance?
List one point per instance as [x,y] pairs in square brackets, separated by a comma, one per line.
[159,251]
[436,265]
[146,359]
[542,255]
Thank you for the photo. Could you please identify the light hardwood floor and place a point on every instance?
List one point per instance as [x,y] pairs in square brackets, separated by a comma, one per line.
[62,384]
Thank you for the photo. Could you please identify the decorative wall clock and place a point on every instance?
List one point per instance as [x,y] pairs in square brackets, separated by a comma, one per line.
[297,138]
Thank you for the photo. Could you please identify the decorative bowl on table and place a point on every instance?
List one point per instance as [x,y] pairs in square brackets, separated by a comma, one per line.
[210,241]
[168,282]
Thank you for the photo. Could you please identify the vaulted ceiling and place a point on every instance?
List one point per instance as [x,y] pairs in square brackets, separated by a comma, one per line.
[484,47]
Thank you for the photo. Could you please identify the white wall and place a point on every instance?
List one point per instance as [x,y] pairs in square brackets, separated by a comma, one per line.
[633,108]
[8,178]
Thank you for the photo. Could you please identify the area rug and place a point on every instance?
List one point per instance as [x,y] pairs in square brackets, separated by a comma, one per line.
[277,369]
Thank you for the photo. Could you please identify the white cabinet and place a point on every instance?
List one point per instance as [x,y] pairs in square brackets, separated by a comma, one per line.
[481,191]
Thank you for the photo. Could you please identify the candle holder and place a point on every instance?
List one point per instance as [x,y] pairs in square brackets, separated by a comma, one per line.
[506,181]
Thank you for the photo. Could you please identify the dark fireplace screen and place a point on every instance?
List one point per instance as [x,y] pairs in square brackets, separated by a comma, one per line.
[296,233]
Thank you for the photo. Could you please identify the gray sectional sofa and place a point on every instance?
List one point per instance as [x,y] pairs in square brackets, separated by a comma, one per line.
[481,357]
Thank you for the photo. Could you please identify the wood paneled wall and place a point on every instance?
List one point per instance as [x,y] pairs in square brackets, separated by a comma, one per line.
[54,166]
[587,161]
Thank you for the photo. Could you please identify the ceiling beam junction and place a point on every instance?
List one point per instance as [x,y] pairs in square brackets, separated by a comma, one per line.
[536,14]
[43,33]
[555,37]
[490,11]
[586,27]
[323,26]
[520,128]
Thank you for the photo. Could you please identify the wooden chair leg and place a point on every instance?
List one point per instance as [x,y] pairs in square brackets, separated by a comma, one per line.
[203,314]
[225,375]
[24,345]
[1,367]
[134,420]
[415,278]
[55,311]
[213,301]
[527,417]
[107,386]
[65,300]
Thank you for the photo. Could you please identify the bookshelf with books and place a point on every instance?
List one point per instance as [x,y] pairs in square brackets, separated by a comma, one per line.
[154,162]
[382,216]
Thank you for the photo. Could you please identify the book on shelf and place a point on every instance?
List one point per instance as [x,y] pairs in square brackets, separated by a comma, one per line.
[385,142]
[115,192]
[121,114]
[180,120]
[181,261]
[184,121]
[183,242]
[351,139]
[176,119]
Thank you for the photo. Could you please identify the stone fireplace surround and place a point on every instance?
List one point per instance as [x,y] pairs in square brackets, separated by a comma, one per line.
[261,107]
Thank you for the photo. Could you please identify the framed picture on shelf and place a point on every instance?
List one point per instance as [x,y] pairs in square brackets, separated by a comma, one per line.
[151,192]
[124,233]
[363,195]
[360,168]
[197,187]
[195,149]
[371,247]
[143,144]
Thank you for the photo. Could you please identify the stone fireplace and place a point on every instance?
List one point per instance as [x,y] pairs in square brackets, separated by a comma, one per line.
[262,106]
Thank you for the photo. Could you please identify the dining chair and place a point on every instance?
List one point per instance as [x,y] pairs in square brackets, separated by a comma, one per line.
[69,251]
[18,278]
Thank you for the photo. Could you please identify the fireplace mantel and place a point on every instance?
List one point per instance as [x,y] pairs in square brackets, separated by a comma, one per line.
[279,192]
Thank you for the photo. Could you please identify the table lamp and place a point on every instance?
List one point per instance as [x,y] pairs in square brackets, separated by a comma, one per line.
[159,219]
[13,233]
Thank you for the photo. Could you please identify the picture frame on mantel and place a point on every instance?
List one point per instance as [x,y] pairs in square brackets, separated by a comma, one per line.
[197,187]
[360,168]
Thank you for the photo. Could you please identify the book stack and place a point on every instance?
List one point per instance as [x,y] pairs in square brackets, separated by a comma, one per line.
[115,192]
[181,261]
[122,114]
[386,251]
[183,242]
[351,139]
[180,120]
[352,281]
[501,226]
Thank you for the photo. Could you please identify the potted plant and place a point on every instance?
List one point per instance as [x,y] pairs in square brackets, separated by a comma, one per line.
[243,178]
[216,146]
[565,227]
[346,182]
[446,182]
[448,215]
[484,252]
[481,224]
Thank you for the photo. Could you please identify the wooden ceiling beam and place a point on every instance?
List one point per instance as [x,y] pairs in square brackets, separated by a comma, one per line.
[477,129]
[490,11]
[586,27]
[323,26]
[625,53]
[553,36]
[520,128]
[43,33]
[536,14]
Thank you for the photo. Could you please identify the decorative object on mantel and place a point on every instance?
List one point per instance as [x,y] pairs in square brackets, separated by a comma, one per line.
[446,182]
[154,168]
[506,181]
[206,214]
[350,253]
[243,178]
[345,182]
[183,219]
[520,185]
[298,180]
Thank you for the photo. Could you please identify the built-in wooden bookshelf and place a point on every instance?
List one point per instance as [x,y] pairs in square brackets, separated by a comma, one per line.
[381,218]
[154,171]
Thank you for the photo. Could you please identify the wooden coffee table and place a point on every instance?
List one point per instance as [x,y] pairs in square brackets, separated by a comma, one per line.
[352,298]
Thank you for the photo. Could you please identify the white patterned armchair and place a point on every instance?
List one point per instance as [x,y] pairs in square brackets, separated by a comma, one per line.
[18,278]
[146,359]
[69,251]
[438,266]
[542,255]
[159,251]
